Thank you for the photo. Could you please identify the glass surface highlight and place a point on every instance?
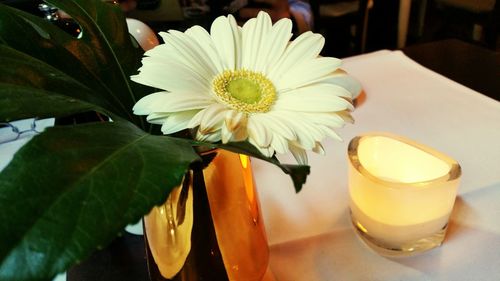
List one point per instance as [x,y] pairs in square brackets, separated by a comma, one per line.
[210,227]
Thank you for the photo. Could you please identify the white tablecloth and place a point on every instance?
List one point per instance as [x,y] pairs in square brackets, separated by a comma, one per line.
[310,233]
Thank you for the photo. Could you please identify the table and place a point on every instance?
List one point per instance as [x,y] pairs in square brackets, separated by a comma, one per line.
[310,234]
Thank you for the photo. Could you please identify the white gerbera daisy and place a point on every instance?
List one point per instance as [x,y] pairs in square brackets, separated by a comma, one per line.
[247,83]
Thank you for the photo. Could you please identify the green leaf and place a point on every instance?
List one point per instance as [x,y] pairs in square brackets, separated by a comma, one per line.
[73,188]
[20,71]
[102,59]
[19,102]
[298,173]
[104,32]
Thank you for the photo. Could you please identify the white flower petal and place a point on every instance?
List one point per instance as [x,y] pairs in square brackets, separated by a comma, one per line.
[276,42]
[298,153]
[226,135]
[254,33]
[280,144]
[307,133]
[200,118]
[152,74]
[341,79]
[278,125]
[315,132]
[237,34]
[213,137]
[307,46]
[258,133]
[319,148]
[173,63]
[212,119]
[196,120]
[234,119]
[170,102]
[346,116]
[157,117]
[202,37]
[307,99]
[167,54]
[324,87]
[177,121]
[235,126]
[164,51]
[188,49]
[226,38]
[247,33]
[238,135]
[329,132]
[181,76]
[266,151]
[317,69]
[330,119]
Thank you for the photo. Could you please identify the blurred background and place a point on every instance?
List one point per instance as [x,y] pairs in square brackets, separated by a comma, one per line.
[350,27]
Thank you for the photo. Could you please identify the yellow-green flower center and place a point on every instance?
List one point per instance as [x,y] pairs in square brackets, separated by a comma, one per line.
[244,90]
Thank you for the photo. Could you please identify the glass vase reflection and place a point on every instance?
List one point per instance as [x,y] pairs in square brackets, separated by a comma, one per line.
[210,227]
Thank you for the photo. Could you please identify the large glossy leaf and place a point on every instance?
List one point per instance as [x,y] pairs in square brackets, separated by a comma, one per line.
[73,189]
[104,31]
[102,59]
[18,102]
[37,78]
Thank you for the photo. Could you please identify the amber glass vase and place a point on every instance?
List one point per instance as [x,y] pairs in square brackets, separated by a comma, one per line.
[210,227]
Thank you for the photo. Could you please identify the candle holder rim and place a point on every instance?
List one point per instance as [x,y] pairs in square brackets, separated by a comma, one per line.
[453,173]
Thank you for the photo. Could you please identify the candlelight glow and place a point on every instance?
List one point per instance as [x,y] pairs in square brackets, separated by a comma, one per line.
[396,161]
[401,192]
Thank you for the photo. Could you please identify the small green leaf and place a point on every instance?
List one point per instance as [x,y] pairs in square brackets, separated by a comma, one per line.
[298,173]
[74,188]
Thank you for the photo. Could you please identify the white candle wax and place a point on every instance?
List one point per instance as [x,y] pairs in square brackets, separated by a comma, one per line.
[401,192]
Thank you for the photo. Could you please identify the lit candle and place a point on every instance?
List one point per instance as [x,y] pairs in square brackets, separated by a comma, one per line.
[402,193]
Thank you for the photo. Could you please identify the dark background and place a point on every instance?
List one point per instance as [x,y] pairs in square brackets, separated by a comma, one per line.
[441,22]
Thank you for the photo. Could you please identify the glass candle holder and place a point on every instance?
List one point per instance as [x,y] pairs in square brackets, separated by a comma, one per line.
[402,193]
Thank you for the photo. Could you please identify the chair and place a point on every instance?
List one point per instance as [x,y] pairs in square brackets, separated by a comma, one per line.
[329,14]
[484,15]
